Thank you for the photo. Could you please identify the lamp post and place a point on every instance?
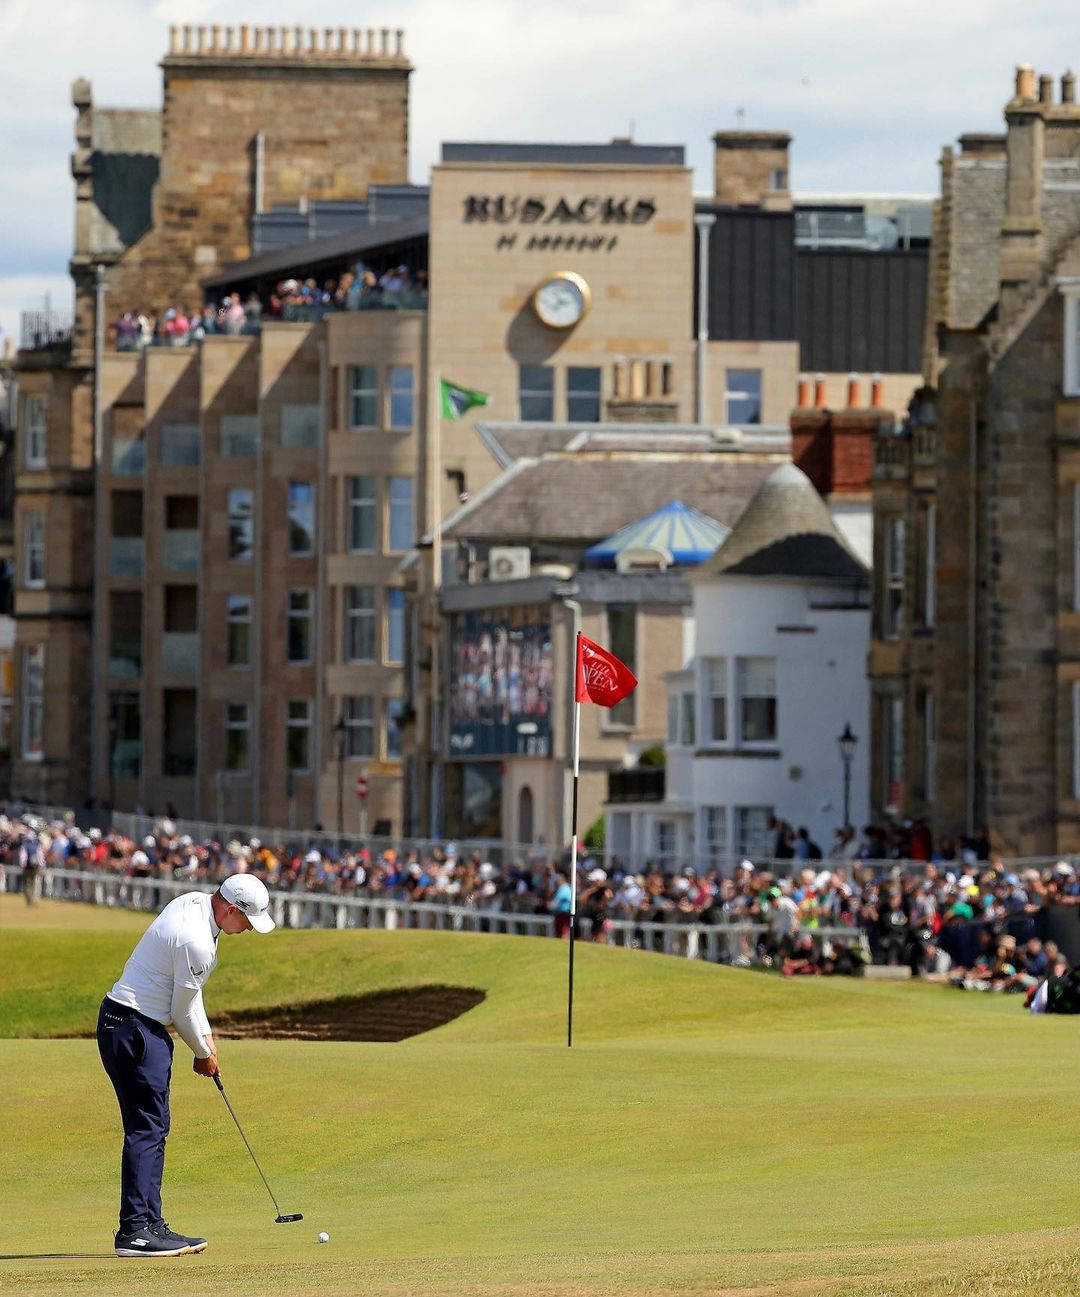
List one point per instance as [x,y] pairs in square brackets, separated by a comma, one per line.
[340,732]
[847,743]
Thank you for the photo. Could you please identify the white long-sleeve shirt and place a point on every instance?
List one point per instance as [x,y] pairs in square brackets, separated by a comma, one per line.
[167,970]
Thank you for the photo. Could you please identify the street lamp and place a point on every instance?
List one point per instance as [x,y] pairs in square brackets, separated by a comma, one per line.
[847,743]
[340,731]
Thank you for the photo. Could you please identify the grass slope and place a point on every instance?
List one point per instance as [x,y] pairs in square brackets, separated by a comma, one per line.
[713,1131]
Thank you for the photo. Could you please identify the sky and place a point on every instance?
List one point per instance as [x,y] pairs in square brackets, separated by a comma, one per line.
[871,91]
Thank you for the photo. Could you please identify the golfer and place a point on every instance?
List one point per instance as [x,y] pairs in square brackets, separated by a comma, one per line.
[161,983]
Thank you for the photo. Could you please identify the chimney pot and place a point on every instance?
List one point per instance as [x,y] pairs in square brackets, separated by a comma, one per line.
[877,392]
[819,391]
[852,391]
[399,42]
[1046,89]
[371,42]
[384,41]
[187,38]
[174,38]
[200,34]
[1068,88]
[802,398]
[1025,82]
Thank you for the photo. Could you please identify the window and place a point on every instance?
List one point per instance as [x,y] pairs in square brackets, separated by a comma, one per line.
[893,753]
[181,445]
[929,722]
[742,396]
[239,435]
[34,412]
[395,625]
[536,393]
[1076,547]
[360,520]
[359,623]
[401,398]
[664,842]
[755,680]
[363,396]
[359,714]
[298,735]
[401,513]
[298,641]
[1076,740]
[301,425]
[125,735]
[1071,357]
[893,611]
[33,702]
[583,395]
[927,585]
[241,525]
[238,630]
[34,549]
[180,726]
[301,510]
[622,640]
[395,708]
[778,178]
[715,726]
[689,728]
[752,830]
[713,835]
[673,718]
[236,737]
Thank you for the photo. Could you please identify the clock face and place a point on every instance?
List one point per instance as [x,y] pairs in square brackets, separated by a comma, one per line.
[562,300]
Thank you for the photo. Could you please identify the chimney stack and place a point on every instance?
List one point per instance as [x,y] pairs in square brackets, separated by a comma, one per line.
[1068,88]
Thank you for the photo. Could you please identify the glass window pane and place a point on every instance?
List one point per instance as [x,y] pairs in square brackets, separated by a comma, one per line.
[394,709]
[583,394]
[363,396]
[536,393]
[359,713]
[622,639]
[298,646]
[361,514]
[756,684]
[236,736]
[673,718]
[689,727]
[395,625]
[301,425]
[298,735]
[743,396]
[401,397]
[238,631]
[401,512]
[301,512]
[359,623]
[241,525]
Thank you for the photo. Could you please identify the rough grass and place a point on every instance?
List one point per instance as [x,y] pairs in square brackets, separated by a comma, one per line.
[713,1131]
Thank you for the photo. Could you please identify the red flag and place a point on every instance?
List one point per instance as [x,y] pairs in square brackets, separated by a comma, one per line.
[601,677]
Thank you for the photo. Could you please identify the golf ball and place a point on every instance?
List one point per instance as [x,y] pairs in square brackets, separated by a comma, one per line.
[324,1237]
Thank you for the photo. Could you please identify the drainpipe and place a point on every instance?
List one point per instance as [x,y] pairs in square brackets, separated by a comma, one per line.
[100,543]
[703,221]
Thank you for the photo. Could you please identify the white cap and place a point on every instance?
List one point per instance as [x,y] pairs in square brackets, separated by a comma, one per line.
[251,898]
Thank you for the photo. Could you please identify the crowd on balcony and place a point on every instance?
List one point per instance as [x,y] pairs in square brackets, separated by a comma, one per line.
[978,926]
[359,289]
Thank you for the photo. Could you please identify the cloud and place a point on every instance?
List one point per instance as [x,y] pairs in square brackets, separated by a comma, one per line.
[869,92]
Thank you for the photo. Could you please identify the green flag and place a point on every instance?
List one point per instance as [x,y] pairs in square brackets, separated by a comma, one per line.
[455,400]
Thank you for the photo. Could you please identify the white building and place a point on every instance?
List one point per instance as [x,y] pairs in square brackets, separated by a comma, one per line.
[777,670]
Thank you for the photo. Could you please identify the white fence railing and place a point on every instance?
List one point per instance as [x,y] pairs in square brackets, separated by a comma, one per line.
[717,943]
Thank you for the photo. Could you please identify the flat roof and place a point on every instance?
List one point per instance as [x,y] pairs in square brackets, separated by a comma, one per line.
[617,153]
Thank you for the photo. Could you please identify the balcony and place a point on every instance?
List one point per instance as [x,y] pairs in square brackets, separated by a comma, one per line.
[182,549]
[125,660]
[180,653]
[924,447]
[128,456]
[181,445]
[45,330]
[644,784]
[127,556]
[892,453]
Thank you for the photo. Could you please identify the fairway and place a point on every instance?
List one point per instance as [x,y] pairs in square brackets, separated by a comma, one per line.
[712,1131]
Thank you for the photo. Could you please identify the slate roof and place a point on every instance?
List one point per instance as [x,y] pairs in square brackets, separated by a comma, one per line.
[580,497]
[786,530]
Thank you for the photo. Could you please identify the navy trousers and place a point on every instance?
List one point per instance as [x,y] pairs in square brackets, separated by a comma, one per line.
[137,1055]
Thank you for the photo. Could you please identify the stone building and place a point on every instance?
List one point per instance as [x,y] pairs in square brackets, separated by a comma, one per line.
[975,661]
[238,574]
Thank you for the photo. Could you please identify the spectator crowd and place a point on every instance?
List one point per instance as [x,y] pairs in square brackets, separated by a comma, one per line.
[359,289]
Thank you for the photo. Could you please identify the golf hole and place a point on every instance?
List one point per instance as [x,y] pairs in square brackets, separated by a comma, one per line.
[387,1015]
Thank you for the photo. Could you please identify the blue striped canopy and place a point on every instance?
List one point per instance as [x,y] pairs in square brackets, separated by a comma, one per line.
[688,536]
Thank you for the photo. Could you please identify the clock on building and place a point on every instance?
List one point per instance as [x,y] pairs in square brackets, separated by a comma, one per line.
[561,301]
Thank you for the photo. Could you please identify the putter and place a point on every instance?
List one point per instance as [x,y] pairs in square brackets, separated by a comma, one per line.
[279,1219]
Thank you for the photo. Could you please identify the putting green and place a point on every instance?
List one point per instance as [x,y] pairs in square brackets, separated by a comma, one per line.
[712,1131]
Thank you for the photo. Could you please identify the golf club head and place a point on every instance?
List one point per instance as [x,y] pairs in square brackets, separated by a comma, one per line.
[288,1220]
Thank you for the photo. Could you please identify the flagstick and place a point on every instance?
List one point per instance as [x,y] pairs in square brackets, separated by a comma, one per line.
[573,856]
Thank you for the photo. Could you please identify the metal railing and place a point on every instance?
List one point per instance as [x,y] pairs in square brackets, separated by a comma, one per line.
[713,942]
[40,330]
